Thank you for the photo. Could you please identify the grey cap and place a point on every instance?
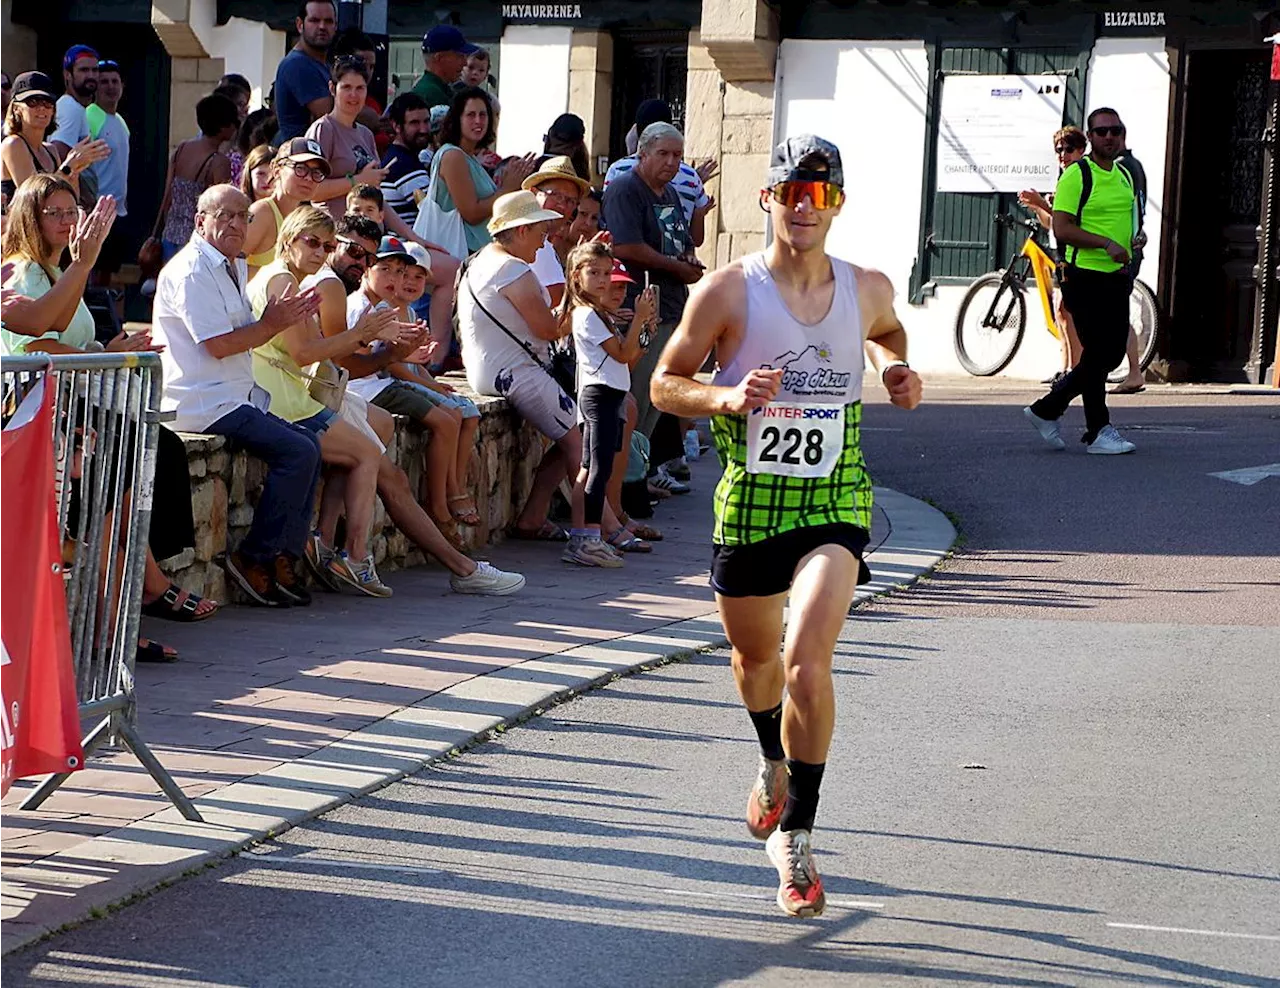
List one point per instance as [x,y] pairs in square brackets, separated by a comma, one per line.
[784,166]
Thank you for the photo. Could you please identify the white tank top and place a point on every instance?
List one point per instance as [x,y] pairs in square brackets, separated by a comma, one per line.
[822,363]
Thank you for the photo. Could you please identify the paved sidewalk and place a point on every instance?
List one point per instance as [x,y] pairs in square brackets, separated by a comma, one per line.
[272,717]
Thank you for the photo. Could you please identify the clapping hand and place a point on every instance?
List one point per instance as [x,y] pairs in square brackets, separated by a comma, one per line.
[91,230]
[516,171]
[707,169]
[1033,199]
[133,343]
[290,308]
[87,152]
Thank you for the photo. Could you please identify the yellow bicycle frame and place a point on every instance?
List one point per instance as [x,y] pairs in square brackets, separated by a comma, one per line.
[1043,267]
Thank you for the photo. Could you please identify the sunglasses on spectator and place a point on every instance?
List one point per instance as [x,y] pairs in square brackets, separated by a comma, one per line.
[1107,131]
[303,170]
[61,214]
[1063,149]
[312,242]
[354,250]
[823,195]
[36,102]
[108,63]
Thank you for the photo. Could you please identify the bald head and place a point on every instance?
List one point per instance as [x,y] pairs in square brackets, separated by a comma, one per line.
[222,218]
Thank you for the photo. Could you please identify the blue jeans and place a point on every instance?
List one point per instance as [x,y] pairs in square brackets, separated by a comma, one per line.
[282,520]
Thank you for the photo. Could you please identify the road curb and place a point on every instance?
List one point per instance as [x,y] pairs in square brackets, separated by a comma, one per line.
[164,847]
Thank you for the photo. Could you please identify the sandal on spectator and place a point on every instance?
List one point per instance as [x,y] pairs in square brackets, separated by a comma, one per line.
[149,651]
[643,531]
[183,606]
[625,541]
[548,532]
[466,516]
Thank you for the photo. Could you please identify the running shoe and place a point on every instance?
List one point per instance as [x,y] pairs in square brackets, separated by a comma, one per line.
[800,891]
[677,468]
[487,579]
[370,582]
[1109,441]
[767,798]
[359,576]
[663,481]
[1050,431]
[591,552]
[318,556]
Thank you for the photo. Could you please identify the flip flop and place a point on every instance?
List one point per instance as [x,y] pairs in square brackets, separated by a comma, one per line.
[625,541]
[1127,389]
[548,532]
[167,606]
[149,651]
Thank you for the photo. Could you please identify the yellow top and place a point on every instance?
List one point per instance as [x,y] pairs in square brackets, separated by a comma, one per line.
[268,255]
[273,367]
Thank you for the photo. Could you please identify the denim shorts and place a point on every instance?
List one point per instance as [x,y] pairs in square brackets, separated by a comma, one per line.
[319,422]
[416,400]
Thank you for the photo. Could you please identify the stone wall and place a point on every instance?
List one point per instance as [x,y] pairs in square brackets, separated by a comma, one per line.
[225,487]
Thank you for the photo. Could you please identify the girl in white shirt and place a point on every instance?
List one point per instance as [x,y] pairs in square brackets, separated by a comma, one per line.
[605,358]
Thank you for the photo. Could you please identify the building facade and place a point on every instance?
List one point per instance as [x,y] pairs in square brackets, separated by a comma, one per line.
[1191,79]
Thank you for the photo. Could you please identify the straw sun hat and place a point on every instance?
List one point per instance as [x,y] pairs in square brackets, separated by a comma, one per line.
[518,209]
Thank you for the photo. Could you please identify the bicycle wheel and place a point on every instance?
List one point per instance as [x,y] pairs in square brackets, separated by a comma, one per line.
[1144,318]
[990,324]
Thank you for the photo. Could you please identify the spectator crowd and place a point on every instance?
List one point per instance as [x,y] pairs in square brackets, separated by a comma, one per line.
[321,264]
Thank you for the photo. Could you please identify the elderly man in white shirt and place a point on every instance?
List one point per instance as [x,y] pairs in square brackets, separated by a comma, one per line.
[203,318]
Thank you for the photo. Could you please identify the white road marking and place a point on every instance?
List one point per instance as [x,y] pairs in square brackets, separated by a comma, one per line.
[1248,476]
[1201,933]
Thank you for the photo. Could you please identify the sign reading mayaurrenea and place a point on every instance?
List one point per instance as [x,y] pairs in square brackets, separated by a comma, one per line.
[995,132]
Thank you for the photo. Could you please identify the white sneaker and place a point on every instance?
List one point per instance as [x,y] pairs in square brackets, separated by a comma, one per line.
[590,552]
[1050,432]
[665,482]
[1109,441]
[488,580]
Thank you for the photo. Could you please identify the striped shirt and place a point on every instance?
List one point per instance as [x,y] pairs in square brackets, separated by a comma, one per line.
[687,184]
[406,182]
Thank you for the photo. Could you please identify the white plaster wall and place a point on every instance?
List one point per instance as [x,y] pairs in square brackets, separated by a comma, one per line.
[533,87]
[869,98]
[1131,75]
[248,47]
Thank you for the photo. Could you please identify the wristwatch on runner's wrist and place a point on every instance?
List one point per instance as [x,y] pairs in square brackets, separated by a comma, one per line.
[890,365]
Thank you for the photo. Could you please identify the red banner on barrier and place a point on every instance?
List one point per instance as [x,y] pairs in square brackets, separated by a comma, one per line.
[41,728]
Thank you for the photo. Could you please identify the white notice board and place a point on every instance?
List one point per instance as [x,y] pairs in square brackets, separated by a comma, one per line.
[995,132]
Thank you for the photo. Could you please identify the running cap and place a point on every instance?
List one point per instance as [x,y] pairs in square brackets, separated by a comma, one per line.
[77,52]
[303,149]
[785,166]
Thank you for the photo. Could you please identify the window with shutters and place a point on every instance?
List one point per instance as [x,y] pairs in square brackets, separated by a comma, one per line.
[962,234]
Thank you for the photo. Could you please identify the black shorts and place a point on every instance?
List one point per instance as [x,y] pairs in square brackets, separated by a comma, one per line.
[762,569]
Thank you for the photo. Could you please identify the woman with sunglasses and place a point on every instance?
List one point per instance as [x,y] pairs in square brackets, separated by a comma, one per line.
[1069,144]
[28,119]
[196,165]
[788,326]
[306,241]
[299,169]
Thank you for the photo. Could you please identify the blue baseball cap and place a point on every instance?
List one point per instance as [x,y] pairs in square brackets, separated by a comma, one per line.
[393,248]
[446,37]
[77,52]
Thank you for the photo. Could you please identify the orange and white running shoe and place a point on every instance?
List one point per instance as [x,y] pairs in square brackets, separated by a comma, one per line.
[800,891]
[767,797]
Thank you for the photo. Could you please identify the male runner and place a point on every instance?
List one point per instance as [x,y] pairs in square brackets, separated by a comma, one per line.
[793,509]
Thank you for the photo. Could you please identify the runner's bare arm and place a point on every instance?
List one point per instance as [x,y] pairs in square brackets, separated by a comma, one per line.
[886,340]
[708,316]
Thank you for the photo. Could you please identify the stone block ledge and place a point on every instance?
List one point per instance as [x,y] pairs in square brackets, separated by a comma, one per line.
[225,485]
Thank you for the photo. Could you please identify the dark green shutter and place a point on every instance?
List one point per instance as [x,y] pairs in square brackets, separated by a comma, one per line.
[961,237]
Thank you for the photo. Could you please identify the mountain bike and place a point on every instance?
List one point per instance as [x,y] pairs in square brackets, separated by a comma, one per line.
[992,317]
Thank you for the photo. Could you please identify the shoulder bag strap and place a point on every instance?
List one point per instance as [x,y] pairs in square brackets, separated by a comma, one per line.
[466,277]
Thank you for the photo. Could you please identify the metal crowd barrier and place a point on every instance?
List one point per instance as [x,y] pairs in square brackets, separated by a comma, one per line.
[106,422]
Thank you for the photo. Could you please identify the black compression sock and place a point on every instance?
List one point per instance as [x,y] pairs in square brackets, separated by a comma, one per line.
[802,795]
[769,729]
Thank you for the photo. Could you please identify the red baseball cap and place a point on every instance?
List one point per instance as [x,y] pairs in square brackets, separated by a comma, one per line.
[620,273]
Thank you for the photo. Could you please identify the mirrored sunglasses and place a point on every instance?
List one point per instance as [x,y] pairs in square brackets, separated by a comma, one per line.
[823,195]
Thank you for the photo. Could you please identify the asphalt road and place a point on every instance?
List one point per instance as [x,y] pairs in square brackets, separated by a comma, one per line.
[1055,764]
